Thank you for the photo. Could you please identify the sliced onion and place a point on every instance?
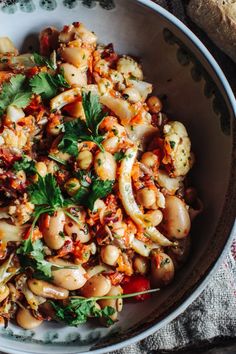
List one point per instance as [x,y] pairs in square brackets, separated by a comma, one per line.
[33,300]
[143,248]
[97,270]
[7,270]
[129,203]
[9,232]
[65,98]
[70,96]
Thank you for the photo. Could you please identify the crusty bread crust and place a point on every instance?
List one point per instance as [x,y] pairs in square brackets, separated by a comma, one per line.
[218,19]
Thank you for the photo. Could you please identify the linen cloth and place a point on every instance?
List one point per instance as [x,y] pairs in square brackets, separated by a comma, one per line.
[211,318]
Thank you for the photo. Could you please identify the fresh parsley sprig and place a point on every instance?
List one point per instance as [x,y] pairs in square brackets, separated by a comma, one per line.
[41,61]
[47,85]
[99,189]
[46,192]
[15,92]
[79,309]
[32,255]
[90,192]
[93,111]
[25,164]
[78,130]
[119,155]
[46,195]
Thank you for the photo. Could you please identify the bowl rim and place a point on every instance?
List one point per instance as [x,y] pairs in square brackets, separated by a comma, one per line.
[205,279]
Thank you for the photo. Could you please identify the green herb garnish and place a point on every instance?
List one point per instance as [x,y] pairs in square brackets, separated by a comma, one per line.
[79,309]
[78,130]
[172,144]
[88,193]
[14,93]
[25,164]
[119,155]
[47,85]
[42,61]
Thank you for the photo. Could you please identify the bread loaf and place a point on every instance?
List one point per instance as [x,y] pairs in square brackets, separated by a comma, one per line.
[218,19]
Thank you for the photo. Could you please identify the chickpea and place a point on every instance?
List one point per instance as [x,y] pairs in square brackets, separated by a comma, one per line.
[162,269]
[98,285]
[4,292]
[72,186]
[117,304]
[146,197]
[149,159]
[70,279]
[105,166]
[110,254]
[154,104]
[111,144]
[47,290]
[133,94]
[52,228]
[141,264]
[85,159]
[154,217]
[176,221]
[41,168]
[26,320]
[77,230]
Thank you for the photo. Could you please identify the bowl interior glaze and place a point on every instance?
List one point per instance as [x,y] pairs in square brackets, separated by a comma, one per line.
[194,93]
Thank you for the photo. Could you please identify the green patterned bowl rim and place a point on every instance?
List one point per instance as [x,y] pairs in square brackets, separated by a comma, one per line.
[231,193]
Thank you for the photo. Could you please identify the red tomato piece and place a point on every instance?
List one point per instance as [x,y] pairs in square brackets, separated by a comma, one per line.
[137,283]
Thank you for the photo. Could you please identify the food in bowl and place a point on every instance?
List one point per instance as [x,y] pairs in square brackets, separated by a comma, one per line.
[96,205]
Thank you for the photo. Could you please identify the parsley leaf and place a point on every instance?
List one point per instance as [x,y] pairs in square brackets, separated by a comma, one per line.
[73,130]
[93,111]
[88,193]
[99,189]
[47,85]
[119,155]
[41,61]
[78,130]
[172,144]
[25,164]
[33,256]
[78,311]
[14,93]
[46,192]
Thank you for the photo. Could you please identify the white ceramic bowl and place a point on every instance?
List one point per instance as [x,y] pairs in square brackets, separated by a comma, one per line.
[197,93]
